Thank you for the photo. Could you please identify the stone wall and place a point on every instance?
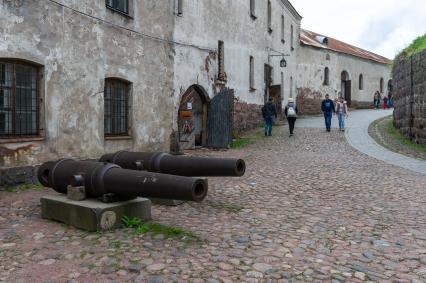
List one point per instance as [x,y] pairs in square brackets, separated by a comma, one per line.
[246,117]
[308,101]
[409,90]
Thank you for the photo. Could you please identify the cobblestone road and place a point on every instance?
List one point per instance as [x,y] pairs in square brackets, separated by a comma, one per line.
[309,209]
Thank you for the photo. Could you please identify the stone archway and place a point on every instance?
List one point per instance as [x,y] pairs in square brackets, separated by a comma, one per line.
[192,118]
[346,87]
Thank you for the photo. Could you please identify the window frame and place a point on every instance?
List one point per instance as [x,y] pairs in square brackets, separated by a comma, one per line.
[382,82]
[38,108]
[127,123]
[269,16]
[179,8]
[282,29]
[326,76]
[252,86]
[360,82]
[253,9]
[115,9]
[292,38]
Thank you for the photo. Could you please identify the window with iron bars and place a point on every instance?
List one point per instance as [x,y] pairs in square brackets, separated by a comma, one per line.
[121,6]
[19,100]
[116,98]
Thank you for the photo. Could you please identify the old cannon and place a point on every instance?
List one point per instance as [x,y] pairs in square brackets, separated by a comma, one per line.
[100,179]
[176,165]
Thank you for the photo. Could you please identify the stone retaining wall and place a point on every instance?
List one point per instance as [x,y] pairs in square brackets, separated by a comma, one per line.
[18,175]
[246,117]
[409,92]
[309,102]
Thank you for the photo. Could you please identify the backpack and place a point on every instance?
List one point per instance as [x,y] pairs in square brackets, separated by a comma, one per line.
[291,112]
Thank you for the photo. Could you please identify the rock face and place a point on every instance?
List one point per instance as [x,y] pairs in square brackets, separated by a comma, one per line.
[409,92]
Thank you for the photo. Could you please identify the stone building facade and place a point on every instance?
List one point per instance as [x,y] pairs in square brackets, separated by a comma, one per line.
[326,65]
[81,78]
[409,91]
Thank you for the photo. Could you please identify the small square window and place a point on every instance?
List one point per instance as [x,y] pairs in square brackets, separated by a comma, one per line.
[121,6]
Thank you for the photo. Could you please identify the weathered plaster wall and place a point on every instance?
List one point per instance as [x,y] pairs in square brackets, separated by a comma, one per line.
[310,75]
[204,23]
[77,54]
[409,90]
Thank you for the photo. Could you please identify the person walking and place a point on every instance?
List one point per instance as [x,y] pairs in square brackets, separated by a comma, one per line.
[327,107]
[377,99]
[342,112]
[385,102]
[290,112]
[269,111]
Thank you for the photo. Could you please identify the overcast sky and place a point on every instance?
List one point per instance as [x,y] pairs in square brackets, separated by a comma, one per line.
[382,26]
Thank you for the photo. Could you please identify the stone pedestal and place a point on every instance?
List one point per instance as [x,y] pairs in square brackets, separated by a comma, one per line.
[169,202]
[91,214]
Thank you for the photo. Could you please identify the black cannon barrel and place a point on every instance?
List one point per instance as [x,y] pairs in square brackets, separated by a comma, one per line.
[103,178]
[176,164]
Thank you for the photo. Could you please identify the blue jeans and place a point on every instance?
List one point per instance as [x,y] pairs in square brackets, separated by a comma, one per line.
[327,118]
[268,125]
[341,120]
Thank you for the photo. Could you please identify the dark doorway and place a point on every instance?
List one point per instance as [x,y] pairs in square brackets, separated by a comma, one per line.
[268,80]
[275,94]
[192,118]
[346,87]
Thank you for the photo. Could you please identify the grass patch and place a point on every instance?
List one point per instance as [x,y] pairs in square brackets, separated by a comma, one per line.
[241,142]
[228,207]
[418,45]
[157,229]
[24,187]
[394,133]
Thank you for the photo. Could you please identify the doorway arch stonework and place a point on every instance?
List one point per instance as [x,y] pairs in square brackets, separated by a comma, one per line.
[192,118]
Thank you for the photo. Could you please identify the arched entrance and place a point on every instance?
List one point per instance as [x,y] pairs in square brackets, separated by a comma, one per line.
[346,87]
[192,118]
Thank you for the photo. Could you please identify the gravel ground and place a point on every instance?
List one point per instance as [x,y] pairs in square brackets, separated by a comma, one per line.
[309,209]
[378,131]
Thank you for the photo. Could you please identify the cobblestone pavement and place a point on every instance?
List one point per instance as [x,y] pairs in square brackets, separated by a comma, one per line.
[357,136]
[309,209]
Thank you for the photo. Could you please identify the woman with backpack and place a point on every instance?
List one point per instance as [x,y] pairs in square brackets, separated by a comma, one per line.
[290,112]
[342,112]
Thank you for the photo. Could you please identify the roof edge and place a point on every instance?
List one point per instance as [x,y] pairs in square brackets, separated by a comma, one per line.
[292,9]
[385,60]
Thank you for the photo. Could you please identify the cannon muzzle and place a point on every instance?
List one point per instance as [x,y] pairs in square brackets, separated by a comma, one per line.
[176,165]
[102,178]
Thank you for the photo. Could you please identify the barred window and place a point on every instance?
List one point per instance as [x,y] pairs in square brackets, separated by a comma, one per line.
[118,5]
[116,98]
[19,100]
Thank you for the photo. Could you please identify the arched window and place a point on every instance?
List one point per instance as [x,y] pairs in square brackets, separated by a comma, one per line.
[116,111]
[19,99]
[326,76]
[381,85]
[361,82]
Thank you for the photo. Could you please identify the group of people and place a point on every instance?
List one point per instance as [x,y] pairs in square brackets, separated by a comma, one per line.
[387,100]
[328,107]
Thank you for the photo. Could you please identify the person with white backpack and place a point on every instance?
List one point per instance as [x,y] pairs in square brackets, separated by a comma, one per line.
[290,112]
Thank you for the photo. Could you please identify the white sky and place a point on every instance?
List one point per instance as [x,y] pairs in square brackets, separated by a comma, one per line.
[384,27]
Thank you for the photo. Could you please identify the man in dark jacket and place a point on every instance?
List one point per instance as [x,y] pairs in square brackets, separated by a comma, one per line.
[327,107]
[269,111]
